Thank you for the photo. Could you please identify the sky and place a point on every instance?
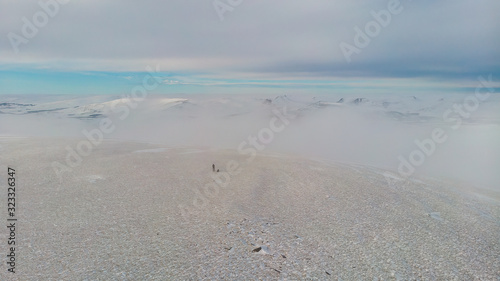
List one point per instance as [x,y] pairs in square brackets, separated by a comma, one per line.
[247,46]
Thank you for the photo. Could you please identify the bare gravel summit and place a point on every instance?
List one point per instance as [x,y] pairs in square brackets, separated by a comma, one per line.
[135,211]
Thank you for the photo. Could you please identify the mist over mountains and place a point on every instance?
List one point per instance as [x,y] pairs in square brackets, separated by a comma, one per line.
[372,130]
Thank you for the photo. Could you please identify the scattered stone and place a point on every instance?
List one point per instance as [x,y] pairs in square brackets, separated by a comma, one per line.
[262,249]
[257,249]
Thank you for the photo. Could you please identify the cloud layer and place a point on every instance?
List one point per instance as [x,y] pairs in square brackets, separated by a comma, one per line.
[285,39]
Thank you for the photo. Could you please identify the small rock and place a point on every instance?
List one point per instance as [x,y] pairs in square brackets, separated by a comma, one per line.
[262,249]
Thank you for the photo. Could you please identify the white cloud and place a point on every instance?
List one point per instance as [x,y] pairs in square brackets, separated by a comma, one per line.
[256,37]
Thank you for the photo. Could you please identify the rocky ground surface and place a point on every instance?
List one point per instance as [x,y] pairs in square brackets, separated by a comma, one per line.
[132,211]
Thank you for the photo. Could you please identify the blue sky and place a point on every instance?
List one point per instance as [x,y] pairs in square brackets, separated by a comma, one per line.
[96,47]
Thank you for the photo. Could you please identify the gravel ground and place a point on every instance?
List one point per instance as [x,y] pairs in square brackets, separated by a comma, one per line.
[133,211]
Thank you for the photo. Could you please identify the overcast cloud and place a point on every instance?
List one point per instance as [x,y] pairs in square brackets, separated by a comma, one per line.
[258,39]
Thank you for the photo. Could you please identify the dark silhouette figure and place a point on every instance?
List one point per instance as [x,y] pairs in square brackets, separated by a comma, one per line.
[213,167]
[217,170]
